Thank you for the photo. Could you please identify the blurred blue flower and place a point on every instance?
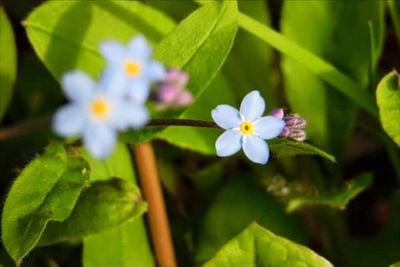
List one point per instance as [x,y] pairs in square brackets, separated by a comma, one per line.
[96,113]
[131,68]
[246,128]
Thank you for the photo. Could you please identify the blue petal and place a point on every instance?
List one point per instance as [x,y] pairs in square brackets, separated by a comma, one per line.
[100,139]
[139,48]
[255,149]
[138,90]
[78,86]
[155,71]
[226,117]
[114,82]
[252,106]
[228,143]
[129,115]
[113,51]
[268,127]
[69,120]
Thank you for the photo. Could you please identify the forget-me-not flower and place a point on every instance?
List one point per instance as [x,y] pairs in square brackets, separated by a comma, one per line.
[132,68]
[96,113]
[246,128]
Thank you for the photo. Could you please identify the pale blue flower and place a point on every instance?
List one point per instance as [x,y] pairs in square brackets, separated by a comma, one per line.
[246,128]
[131,68]
[96,113]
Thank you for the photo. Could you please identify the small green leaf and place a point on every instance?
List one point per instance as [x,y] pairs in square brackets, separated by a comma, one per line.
[8,67]
[105,204]
[288,148]
[46,191]
[337,199]
[256,247]
[125,245]
[388,98]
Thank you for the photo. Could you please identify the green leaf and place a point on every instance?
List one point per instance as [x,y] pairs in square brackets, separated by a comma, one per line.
[287,148]
[67,35]
[203,39]
[388,98]
[125,245]
[336,199]
[397,264]
[258,247]
[318,26]
[8,67]
[240,202]
[103,205]
[46,191]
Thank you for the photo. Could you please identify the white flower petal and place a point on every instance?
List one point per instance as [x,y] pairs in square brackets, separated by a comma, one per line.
[78,86]
[139,48]
[155,71]
[255,149]
[129,115]
[138,90]
[226,117]
[114,52]
[252,106]
[100,139]
[114,82]
[228,143]
[268,127]
[69,120]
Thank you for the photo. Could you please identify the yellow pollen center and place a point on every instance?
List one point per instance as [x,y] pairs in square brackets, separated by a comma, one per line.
[247,128]
[132,68]
[99,108]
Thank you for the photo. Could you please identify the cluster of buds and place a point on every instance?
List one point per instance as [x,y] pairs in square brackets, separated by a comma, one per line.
[295,125]
[172,91]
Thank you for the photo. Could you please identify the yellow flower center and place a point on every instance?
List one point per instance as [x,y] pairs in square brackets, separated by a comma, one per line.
[246,128]
[132,68]
[100,108]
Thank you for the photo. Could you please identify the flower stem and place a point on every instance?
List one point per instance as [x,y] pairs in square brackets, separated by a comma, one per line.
[157,214]
[44,122]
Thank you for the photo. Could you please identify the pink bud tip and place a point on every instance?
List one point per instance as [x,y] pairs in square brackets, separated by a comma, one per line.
[278,113]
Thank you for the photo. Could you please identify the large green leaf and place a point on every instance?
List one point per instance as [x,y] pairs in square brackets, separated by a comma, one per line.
[388,98]
[8,66]
[237,204]
[66,35]
[336,199]
[46,191]
[126,245]
[103,205]
[319,27]
[258,247]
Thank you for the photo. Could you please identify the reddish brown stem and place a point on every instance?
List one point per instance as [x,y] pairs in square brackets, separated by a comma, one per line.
[157,215]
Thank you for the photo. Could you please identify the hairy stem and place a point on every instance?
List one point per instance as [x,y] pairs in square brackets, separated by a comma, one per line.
[44,122]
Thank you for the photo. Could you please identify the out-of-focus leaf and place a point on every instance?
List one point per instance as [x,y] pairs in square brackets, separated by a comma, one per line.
[126,245]
[397,264]
[66,35]
[388,98]
[337,199]
[288,148]
[318,26]
[394,8]
[239,203]
[363,252]
[8,65]
[103,205]
[256,246]
[46,191]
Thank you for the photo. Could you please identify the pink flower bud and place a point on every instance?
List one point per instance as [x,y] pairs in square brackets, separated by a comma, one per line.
[278,113]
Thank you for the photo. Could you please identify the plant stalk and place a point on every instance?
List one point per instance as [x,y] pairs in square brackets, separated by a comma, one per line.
[157,214]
